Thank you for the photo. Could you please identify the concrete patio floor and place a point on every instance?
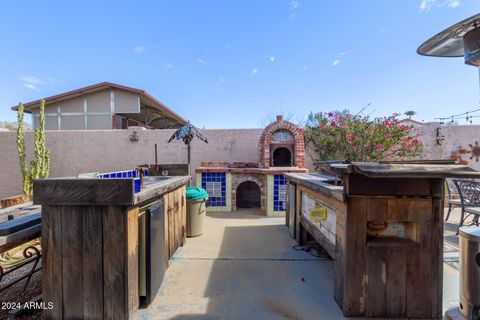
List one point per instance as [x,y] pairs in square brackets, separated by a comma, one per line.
[244,267]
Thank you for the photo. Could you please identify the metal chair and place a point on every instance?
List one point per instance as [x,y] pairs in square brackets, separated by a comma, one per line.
[469,191]
[453,197]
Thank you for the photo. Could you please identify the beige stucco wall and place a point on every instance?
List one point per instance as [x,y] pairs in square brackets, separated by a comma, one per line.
[451,140]
[74,152]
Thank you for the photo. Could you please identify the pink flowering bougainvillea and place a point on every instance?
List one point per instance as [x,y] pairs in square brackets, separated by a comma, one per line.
[340,135]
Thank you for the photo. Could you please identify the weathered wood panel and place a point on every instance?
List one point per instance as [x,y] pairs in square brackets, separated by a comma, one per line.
[437,251]
[363,186]
[92,263]
[313,230]
[131,255]
[176,219]
[334,203]
[171,224]
[298,213]
[114,286]
[396,283]
[355,244]
[375,286]
[84,192]
[340,249]
[72,261]
[419,262]
[183,214]
[52,260]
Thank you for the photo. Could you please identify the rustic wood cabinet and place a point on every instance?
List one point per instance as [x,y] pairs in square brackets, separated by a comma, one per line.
[384,229]
[90,242]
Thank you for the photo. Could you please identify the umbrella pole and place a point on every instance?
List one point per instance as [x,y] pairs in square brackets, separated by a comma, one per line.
[189,164]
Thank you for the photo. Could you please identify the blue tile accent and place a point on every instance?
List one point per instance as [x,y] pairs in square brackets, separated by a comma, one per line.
[137,185]
[279,192]
[215,184]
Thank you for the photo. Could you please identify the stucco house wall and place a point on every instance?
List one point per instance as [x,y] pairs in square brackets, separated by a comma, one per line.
[77,151]
[459,142]
[74,152]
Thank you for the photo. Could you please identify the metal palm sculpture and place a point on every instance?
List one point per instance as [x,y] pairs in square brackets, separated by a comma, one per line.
[186,134]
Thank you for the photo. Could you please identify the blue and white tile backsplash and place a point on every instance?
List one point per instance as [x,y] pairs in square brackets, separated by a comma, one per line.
[279,192]
[126,174]
[215,184]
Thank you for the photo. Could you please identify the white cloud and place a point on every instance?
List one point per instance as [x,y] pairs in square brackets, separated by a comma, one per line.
[139,49]
[31,86]
[338,60]
[201,61]
[453,4]
[427,5]
[168,66]
[271,58]
[31,82]
[294,6]
[254,72]
[31,79]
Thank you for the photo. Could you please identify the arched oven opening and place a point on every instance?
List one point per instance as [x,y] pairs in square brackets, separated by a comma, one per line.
[248,195]
[282,157]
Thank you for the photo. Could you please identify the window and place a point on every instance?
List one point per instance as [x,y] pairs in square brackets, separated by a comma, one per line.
[121,122]
[281,136]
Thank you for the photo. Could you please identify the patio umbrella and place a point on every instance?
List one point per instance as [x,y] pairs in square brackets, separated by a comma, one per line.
[186,134]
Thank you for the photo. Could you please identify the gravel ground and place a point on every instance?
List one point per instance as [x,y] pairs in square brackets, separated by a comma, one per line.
[14,294]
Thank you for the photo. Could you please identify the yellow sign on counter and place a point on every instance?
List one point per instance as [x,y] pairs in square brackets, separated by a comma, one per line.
[318,214]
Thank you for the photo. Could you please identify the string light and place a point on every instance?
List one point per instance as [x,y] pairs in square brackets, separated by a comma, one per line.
[466,115]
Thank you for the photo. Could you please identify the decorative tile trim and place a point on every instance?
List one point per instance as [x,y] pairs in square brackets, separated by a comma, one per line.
[279,193]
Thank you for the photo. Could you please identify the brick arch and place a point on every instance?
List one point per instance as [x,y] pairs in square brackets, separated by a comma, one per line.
[238,179]
[266,139]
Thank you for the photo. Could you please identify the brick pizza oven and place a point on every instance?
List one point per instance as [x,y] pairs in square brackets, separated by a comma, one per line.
[258,186]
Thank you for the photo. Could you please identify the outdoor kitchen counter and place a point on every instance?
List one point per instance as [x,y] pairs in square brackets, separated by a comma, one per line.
[76,191]
[90,241]
[312,195]
[319,183]
[384,228]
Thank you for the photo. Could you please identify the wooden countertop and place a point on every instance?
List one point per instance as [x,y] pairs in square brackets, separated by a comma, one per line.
[413,171]
[78,191]
[318,182]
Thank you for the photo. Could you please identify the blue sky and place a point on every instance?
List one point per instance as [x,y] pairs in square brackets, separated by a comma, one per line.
[230,64]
